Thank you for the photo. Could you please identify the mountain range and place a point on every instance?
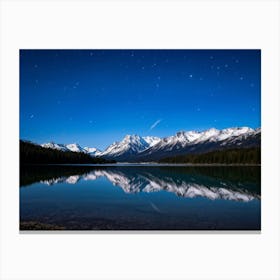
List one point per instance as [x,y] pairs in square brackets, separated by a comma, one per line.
[135,148]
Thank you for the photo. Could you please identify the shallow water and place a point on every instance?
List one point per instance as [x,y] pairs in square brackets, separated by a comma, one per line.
[142,197]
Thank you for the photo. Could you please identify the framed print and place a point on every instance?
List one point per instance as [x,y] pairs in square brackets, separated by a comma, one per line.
[139,140]
[197,167]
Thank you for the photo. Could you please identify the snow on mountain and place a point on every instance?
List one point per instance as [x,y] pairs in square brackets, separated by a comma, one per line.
[180,139]
[55,146]
[71,147]
[131,144]
[211,133]
[75,148]
[92,151]
[184,142]
[233,132]
[151,140]
[137,148]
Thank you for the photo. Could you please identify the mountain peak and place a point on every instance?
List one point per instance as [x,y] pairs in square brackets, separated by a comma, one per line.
[180,133]
[75,147]
[131,137]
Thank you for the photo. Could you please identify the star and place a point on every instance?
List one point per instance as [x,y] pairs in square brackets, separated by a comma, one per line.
[211,57]
[236,61]
[241,78]
[190,76]
[91,53]
[35,65]
[226,65]
[31,116]
[158,77]
[252,85]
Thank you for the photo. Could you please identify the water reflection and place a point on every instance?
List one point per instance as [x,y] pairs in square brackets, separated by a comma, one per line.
[135,181]
[140,197]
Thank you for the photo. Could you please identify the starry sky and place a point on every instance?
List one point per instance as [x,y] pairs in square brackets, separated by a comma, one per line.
[96,97]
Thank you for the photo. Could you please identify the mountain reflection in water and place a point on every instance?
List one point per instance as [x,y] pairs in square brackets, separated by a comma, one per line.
[134,182]
[142,197]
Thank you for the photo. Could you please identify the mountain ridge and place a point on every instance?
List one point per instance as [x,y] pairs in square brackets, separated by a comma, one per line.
[148,148]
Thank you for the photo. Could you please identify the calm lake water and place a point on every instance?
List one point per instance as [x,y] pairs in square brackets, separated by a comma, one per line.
[141,197]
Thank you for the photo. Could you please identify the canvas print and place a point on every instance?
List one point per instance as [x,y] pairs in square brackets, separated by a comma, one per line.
[140,139]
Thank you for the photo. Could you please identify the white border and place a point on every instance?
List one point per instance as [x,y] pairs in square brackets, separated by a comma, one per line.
[139,24]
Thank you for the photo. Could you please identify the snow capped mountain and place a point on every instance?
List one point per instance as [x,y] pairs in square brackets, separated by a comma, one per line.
[92,151]
[75,148]
[199,142]
[130,145]
[72,148]
[149,148]
[55,146]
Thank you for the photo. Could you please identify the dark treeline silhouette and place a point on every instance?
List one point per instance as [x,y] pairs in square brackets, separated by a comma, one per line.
[232,156]
[34,154]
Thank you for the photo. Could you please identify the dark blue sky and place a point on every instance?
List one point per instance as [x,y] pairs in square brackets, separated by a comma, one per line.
[95,97]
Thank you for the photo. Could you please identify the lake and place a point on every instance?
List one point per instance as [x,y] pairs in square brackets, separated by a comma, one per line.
[140,197]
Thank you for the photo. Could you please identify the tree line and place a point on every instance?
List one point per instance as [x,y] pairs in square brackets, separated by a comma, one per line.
[232,156]
[31,153]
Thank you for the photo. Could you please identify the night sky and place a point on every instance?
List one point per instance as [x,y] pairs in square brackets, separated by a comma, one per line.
[96,97]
